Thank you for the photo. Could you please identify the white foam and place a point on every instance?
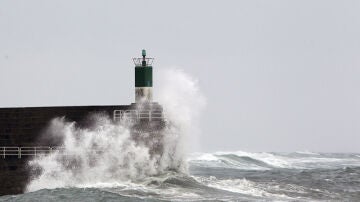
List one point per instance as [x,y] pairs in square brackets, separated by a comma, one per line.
[270,159]
[242,186]
[307,152]
[203,157]
[275,160]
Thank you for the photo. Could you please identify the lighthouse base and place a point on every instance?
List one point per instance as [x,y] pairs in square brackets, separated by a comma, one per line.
[143,94]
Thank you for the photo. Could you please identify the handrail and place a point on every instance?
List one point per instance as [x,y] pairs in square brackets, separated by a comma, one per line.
[27,151]
[136,115]
[32,151]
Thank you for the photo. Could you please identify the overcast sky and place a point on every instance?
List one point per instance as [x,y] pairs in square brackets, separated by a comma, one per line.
[277,75]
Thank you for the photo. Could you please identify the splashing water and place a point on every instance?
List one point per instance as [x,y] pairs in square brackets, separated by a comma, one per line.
[183,103]
[103,163]
[107,154]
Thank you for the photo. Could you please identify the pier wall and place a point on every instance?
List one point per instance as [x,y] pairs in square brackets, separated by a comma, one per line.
[25,127]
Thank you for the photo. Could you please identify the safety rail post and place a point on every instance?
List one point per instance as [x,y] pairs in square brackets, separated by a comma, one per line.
[19,152]
[117,115]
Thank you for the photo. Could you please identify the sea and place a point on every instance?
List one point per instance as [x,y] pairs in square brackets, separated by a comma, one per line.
[105,163]
[229,176]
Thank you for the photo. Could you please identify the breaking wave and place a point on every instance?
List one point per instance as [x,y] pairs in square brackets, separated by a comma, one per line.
[107,153]
[227,176]
[267,161]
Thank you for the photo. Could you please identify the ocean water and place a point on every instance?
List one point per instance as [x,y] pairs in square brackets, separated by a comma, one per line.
[104,163]
[229,176]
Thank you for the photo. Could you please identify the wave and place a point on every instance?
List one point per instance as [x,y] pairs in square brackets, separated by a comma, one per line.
[70,194]
[306,153]
[169,186]
[109,152]
[266,161]
[222,184]
[242,186]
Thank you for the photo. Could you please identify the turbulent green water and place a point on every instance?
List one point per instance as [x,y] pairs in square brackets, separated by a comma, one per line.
[235,176]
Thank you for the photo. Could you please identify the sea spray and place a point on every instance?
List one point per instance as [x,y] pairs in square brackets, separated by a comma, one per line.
[183,102]
[106,153]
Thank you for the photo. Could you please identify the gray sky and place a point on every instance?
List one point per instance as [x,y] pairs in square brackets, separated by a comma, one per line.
[277,75]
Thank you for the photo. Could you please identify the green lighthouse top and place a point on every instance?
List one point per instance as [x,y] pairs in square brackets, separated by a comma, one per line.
[143,53]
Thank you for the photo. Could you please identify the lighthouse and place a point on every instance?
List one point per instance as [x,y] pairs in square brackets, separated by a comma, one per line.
[24,130]
[143,79]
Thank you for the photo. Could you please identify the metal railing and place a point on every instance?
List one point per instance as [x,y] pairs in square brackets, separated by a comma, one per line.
[26,151]
[136,115]
[138,61]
